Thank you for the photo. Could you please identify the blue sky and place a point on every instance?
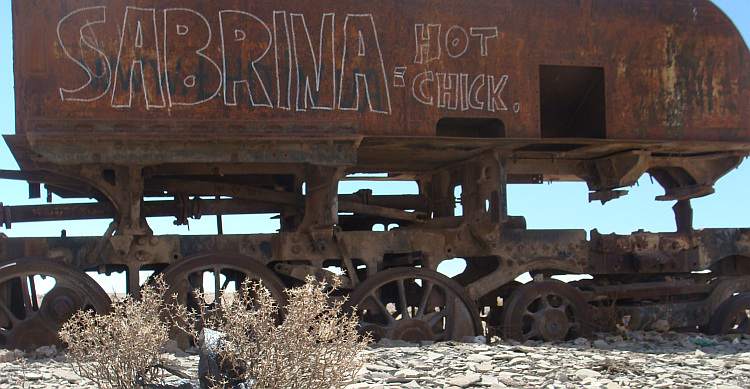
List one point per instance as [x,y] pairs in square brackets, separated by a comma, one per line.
[558,205]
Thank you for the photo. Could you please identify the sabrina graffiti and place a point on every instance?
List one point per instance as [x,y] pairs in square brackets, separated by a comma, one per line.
[247,61]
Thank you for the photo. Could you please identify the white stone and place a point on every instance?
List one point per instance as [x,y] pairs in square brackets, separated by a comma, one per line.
[46,351]
[484,367]
[10,356]
[599,343]
[464,381]
[587,373]
[407,373]
[478,358]
[581,342]
[474,339]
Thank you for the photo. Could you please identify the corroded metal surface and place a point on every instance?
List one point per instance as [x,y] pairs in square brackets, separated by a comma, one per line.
[185,108]
[29,319]
[191,68]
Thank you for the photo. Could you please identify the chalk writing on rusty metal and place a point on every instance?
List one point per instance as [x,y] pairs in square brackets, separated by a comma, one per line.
[174,68]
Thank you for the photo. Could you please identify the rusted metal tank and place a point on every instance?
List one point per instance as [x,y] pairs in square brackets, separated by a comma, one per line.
[184,108]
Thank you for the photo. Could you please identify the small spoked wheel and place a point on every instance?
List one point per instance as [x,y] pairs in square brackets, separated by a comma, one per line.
[215,274]
[414,304]
[732,316]
[549,311]
[38,295]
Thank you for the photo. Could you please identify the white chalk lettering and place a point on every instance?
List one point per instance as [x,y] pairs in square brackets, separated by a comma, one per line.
[428,43]
[456,41]
[399,80]
[419,90]
[314,71]
[472,97]
[80,44]
[273,64]
[241,74]
[363,70]
[454,90]
[448,90]
[494,92]
[282,53]
[139,56]
[192,77]
[484,34]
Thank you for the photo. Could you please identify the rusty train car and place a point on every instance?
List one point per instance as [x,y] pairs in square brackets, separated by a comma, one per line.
[185,108]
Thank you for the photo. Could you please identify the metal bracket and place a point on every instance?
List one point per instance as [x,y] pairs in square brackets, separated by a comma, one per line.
[5,219]
[300,272]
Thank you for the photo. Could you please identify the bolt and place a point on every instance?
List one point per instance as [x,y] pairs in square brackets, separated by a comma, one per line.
[62,307]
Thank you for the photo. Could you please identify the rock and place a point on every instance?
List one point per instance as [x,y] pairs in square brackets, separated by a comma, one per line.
[581,342]
[215,365]
[661,363]
[464,381]
[172,347]
[660,325]
[385,342]
[407,373]
[474,339]
[66,375]
[10,356]
[599,343]
[478,358]
[46,351]
[731,337]
[33,376]
[587,373]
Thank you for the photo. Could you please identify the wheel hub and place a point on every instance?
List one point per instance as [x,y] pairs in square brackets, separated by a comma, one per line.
[554,324]
[413,330]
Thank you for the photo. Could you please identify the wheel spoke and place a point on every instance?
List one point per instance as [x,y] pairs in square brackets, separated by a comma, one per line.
[438,316]
[421,311]
[34,300]
[450,312]
[744,326]
[402,299]
[534,332]
[13,319]
[545,301]
[382,308]
[26,294]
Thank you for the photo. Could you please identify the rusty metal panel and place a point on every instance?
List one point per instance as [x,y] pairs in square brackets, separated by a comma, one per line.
[672,70]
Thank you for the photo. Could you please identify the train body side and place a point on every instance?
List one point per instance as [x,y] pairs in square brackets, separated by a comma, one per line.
[608,69]
[187,109]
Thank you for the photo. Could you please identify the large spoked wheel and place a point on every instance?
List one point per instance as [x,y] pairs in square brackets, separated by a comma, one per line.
[732,316]
[414,304]
[31,318]
[215,274]
[548,311]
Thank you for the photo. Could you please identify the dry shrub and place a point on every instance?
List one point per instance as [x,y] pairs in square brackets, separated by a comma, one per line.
[316,346]
[114,349]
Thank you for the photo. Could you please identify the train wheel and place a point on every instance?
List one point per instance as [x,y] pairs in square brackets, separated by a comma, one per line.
[549,310]
[414,304]
[215,274]
[732,316]
[29,319]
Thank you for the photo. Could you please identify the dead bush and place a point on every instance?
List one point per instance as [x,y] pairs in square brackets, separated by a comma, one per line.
[317,345]
[114,349]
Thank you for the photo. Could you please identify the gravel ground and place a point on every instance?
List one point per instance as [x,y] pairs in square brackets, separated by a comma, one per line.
[646,360]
